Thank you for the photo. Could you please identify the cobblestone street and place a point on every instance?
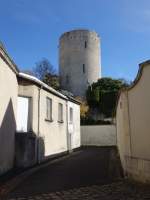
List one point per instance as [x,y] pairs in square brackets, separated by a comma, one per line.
[115,191]
[85,174]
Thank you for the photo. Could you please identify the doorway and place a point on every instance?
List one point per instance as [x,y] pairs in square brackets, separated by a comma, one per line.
[23,114]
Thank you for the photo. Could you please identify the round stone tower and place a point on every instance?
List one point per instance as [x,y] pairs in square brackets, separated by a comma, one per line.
[79,60]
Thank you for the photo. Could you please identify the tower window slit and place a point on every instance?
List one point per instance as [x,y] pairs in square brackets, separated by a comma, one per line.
[83,68]
[85,44]
[67,79]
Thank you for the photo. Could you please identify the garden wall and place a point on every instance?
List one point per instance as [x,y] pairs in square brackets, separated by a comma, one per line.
[98,135]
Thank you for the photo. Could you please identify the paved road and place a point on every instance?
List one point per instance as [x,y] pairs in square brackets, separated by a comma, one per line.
[116,191]
[84,168]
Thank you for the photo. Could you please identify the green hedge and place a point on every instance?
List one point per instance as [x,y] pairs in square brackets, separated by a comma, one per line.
[90,121]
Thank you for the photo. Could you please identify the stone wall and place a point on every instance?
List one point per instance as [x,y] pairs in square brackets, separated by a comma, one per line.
[79,60]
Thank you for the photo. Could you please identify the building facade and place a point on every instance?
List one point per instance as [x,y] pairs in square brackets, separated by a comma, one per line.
[79,60]
[35,119]
[8,107]
[47,116]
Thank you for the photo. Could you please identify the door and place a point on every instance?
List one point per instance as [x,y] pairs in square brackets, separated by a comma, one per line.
[22,114]
[70,129]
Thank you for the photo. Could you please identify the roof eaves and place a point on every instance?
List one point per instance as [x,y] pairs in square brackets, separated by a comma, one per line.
[4,55]
[37,81]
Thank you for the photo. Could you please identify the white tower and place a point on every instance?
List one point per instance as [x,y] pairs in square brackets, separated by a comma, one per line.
[79,60]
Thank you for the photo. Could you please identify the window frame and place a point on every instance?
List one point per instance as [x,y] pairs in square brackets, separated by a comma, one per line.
[60,113]
[49,110]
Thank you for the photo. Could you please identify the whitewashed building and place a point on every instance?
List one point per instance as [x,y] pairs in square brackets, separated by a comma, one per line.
[8,107]
[37,122]
[46,117]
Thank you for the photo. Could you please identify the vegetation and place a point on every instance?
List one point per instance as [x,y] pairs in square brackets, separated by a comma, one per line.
[46,73]
[90,121]
[84,107]
[102,95]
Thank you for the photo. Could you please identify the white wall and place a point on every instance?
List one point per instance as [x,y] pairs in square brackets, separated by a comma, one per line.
[99,135]
[133,126]
[54,133]
[8,106]
[139,112]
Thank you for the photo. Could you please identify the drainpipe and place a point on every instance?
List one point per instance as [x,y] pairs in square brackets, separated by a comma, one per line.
[67,125]
[38,133]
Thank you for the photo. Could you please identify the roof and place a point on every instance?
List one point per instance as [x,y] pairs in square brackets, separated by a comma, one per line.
[4,55]
[45,86]
[70,98]
[42,84]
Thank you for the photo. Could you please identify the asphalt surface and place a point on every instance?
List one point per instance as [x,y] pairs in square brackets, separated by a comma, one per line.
[84,168]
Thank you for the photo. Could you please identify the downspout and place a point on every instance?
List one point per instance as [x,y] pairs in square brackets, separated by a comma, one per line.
[38,133]
[67,125]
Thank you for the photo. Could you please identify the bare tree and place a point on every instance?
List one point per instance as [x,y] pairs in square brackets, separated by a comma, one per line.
[45,71]
[42,68]
[29,72]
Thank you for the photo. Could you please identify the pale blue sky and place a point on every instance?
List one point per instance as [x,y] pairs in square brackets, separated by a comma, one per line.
[30,30]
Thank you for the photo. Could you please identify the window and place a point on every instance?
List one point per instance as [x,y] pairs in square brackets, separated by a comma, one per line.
[60,113]
[85,44]
[48,109]
[70,115]
[83,68]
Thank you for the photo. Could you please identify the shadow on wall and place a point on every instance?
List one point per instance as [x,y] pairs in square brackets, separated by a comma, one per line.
[18,149]
[7,139]
[29,149]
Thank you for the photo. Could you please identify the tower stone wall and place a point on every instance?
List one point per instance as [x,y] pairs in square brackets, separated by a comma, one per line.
[79,60]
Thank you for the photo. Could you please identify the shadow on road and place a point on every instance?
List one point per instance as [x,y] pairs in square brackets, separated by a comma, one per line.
[89,166]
